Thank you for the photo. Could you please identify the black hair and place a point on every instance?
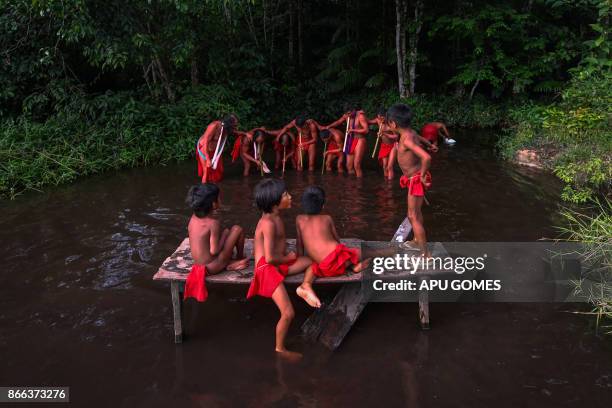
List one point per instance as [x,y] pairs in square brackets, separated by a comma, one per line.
[258,133]
[313,199]
[382,111]
[268,193]
[400,114]
[325,134]
[300,121]
[201,197]
[229,123]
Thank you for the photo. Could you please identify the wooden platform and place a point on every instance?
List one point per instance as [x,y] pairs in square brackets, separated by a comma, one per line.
[177,266]
[331,323]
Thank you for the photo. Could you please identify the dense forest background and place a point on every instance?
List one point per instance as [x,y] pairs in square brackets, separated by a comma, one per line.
[92,85]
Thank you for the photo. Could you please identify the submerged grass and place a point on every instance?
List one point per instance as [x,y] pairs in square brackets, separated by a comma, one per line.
[594,230]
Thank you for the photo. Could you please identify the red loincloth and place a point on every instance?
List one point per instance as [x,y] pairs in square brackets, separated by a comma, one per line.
[430,132]
[334,146]
[277,146]
[334,264]
[353,145]
[267,278]
[414,185]
[385,150]
[236,148]
[215,176]
[195,286]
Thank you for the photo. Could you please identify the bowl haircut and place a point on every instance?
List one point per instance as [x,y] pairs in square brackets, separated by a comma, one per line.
[313,200]
[268,193]
[400,114]
[201,197]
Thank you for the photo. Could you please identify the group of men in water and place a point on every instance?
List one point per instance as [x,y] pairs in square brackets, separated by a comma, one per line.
[319,252]
[296,144]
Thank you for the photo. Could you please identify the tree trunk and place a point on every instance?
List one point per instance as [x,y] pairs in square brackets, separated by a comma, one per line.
[300,43]
[291,45]
[400,46]
[195,80]
[414,41]
[165,80]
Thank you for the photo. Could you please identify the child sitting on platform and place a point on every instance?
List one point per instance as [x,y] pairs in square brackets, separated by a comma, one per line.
[316,233]
[211,247]
[273,263]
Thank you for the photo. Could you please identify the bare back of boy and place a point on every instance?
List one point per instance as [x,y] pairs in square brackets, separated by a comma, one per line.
[318,235]
[214,248]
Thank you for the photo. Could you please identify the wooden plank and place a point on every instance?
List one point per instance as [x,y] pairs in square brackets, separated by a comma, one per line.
[176,267]
[332,324]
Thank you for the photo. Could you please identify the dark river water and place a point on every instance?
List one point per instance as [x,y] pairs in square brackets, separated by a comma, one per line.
[79,308]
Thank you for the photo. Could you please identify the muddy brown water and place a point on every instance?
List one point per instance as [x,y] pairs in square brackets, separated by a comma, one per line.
[79,308]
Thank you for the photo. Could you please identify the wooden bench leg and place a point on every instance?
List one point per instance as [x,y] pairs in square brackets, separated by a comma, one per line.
[424,309]
[176,311]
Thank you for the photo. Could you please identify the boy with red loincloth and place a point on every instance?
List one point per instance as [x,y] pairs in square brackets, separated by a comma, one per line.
[414,162]
[388,140]
[211,247]
[286,145]
[273,264]
[356,131]
[432,132]
[244,148]
[334,139]
[316,233]
[210,147]
[283,151]
[306,141]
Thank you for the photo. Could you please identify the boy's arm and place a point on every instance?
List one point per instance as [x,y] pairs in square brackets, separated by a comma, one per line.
[337,122]
[422,154]
[215,239]
[285,129]
[299,245]
[427,143]
[268,231]
[444,131]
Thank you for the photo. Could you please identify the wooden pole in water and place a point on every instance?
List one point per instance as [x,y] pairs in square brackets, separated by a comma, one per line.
[377,140]
[284,158]
[300,150]
[348,120]
[323,165]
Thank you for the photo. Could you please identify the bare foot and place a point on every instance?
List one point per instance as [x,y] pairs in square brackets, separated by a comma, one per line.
[361,265]
[306,293]
[290,356]
[410,245]
[237,265]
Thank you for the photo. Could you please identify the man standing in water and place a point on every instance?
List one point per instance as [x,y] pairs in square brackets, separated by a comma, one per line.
[414,162]
[306,141]
[388,141]
[356,130]
[210,146]
[432,131]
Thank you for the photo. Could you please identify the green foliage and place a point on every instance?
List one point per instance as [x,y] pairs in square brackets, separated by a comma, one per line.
[577,128]
[509,48]
[110,131]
